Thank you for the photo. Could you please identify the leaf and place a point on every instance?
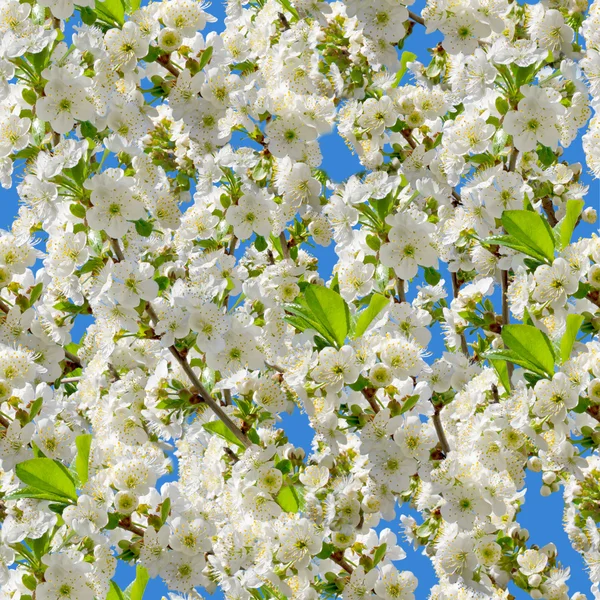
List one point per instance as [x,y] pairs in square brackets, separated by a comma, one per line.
[502,372]
[111,10]
[77,210]
[83,443]
[515,358]
[132,5]
[511,242]
[36,292]
[404,60]
[165,509]
[144,228]
[88,15]
[330,310]
[219,428]
[47,475]
[288,6]
[530,229]
[303,319]
[530,344]
[367,316]
[137,588]
[410,402]
[32,492]
[565,227]
[568,339]
[205,58]
[379,554]
[114,592]
[288,500]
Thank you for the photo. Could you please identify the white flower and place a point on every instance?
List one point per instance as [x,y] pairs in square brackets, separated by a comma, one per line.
[252,214]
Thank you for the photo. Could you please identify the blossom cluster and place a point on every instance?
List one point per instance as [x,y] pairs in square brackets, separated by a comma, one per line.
[175,199]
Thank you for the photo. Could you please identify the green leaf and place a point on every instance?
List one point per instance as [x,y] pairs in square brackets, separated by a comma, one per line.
[404,60]
[47,475]
[330,309]
[82,462]
[501,105]
[326,551]
[36,292]
[88,15]
[530,344]
[285,466]
[32,492]
[376,305]
[165,509]
[531,230]
[219,428]
[288,6]
[205,58]
[288,500]
[303,319]
[502,372]
[379,554]
[260,243]
[432,276]
[565,227]
[566,344]
[77,210]
[114,592]
[29,96]
[132,5]
[137,588]
[513,357]
[512,242]
[144,228]
[111,10]
[410,402]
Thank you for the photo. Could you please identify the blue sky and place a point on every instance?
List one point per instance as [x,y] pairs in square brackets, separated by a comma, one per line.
[542,516]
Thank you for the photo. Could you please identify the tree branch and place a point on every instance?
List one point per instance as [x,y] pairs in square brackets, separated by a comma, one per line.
[439,429]
[202,391]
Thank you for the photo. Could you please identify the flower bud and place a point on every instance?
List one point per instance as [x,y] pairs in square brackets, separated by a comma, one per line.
[545,491]
[535,580]
[589,215]
[549,477]
[535,464]
[536,594]
[549,550]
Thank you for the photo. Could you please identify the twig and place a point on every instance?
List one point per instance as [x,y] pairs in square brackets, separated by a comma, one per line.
[369,394]
[439,429]
[202,391]
[416,18]
[338,558]
[285,249]
[117,249]
[127,524]
[455,291]
[401,290]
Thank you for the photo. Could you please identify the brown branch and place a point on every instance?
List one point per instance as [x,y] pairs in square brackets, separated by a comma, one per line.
[127,524]
[202,391]
[455,291]
[416,18]
[401,291]
[549,210]
[285,249]
[338,558]
[369,394]
[439,429]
